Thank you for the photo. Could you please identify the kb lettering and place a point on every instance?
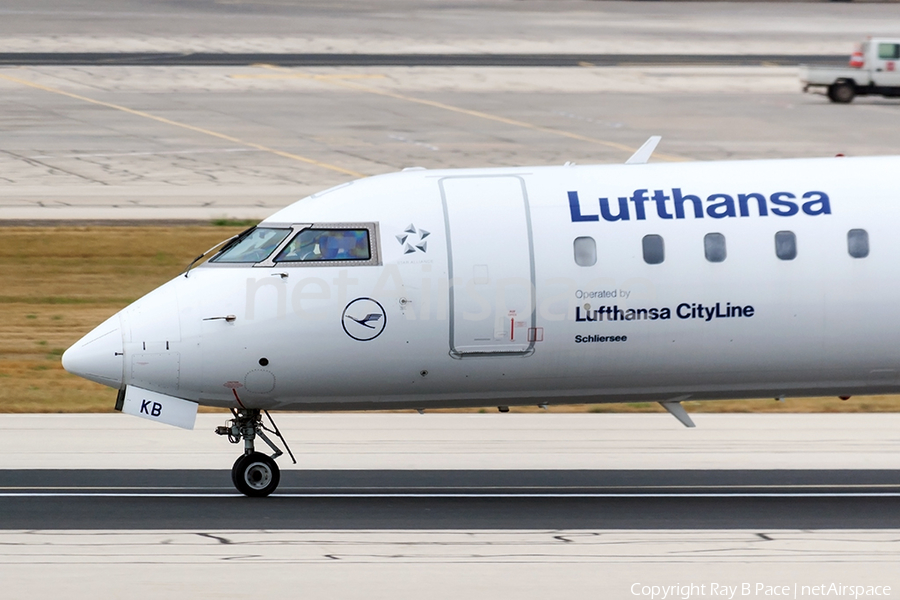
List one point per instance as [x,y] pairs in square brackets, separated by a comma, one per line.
[154,409]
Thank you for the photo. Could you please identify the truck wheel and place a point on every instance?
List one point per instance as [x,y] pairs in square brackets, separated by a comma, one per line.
[841,92]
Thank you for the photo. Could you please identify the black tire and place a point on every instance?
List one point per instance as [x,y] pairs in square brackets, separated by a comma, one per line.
[255,475]
[842,92]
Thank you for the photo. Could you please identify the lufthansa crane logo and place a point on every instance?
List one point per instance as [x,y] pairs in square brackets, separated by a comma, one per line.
[364,319]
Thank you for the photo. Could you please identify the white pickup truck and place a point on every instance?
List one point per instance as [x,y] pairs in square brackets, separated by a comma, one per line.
[874,69]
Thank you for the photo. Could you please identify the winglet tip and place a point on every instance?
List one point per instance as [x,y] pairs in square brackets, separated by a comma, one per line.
[645,151]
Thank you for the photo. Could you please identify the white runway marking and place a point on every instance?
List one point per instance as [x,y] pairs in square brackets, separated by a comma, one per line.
[459,495]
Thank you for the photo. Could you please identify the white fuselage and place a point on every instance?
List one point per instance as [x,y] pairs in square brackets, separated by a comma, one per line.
[474,297]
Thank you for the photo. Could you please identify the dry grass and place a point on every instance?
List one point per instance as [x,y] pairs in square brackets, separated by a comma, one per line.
[762,405]
[59,282]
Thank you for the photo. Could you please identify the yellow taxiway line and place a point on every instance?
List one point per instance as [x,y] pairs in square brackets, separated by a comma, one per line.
[194,128]
[342,82]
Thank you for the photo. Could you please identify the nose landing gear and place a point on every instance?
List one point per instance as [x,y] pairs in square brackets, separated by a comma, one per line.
[254,474]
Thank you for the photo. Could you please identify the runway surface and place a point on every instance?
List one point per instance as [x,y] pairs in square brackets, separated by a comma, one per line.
[443,506]
[200,563]
[220,59]
[524,499]
[465,26]
[461,471]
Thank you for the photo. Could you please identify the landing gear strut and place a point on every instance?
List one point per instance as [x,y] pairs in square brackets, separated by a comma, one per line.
[254,474]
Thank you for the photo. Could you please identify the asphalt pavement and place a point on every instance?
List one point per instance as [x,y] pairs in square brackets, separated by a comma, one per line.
[450,499]
[492,59]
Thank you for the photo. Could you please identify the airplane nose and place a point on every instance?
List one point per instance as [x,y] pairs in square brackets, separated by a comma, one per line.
[98,356]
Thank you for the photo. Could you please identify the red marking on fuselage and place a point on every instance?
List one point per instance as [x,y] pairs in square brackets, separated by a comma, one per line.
[241,404]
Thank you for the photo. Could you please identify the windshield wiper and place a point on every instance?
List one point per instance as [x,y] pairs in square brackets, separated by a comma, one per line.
[227,244]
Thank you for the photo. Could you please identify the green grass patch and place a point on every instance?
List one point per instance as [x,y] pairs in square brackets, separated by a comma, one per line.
[234,222]
[62,300]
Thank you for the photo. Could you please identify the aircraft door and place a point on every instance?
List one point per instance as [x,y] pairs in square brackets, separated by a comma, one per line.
[491,265]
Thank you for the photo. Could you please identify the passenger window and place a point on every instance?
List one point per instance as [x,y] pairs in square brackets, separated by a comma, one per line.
[714,247]
[786,245]
[888,51]
[313,245]
[654,249]
[251,247]
[585,252]
[858,243]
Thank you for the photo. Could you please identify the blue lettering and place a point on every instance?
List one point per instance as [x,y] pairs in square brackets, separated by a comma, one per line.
[722,209]
[660,198]
[744,199]
[783,204]
[821,198]
[575,209]
[639,198]
[623,210]
[679,201]
[144,405]
[789,209]
[156,410]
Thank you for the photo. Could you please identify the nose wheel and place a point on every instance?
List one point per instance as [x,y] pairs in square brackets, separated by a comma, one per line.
[254,474]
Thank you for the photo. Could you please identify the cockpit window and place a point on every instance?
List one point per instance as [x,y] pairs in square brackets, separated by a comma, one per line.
[253,246]
[311,245]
